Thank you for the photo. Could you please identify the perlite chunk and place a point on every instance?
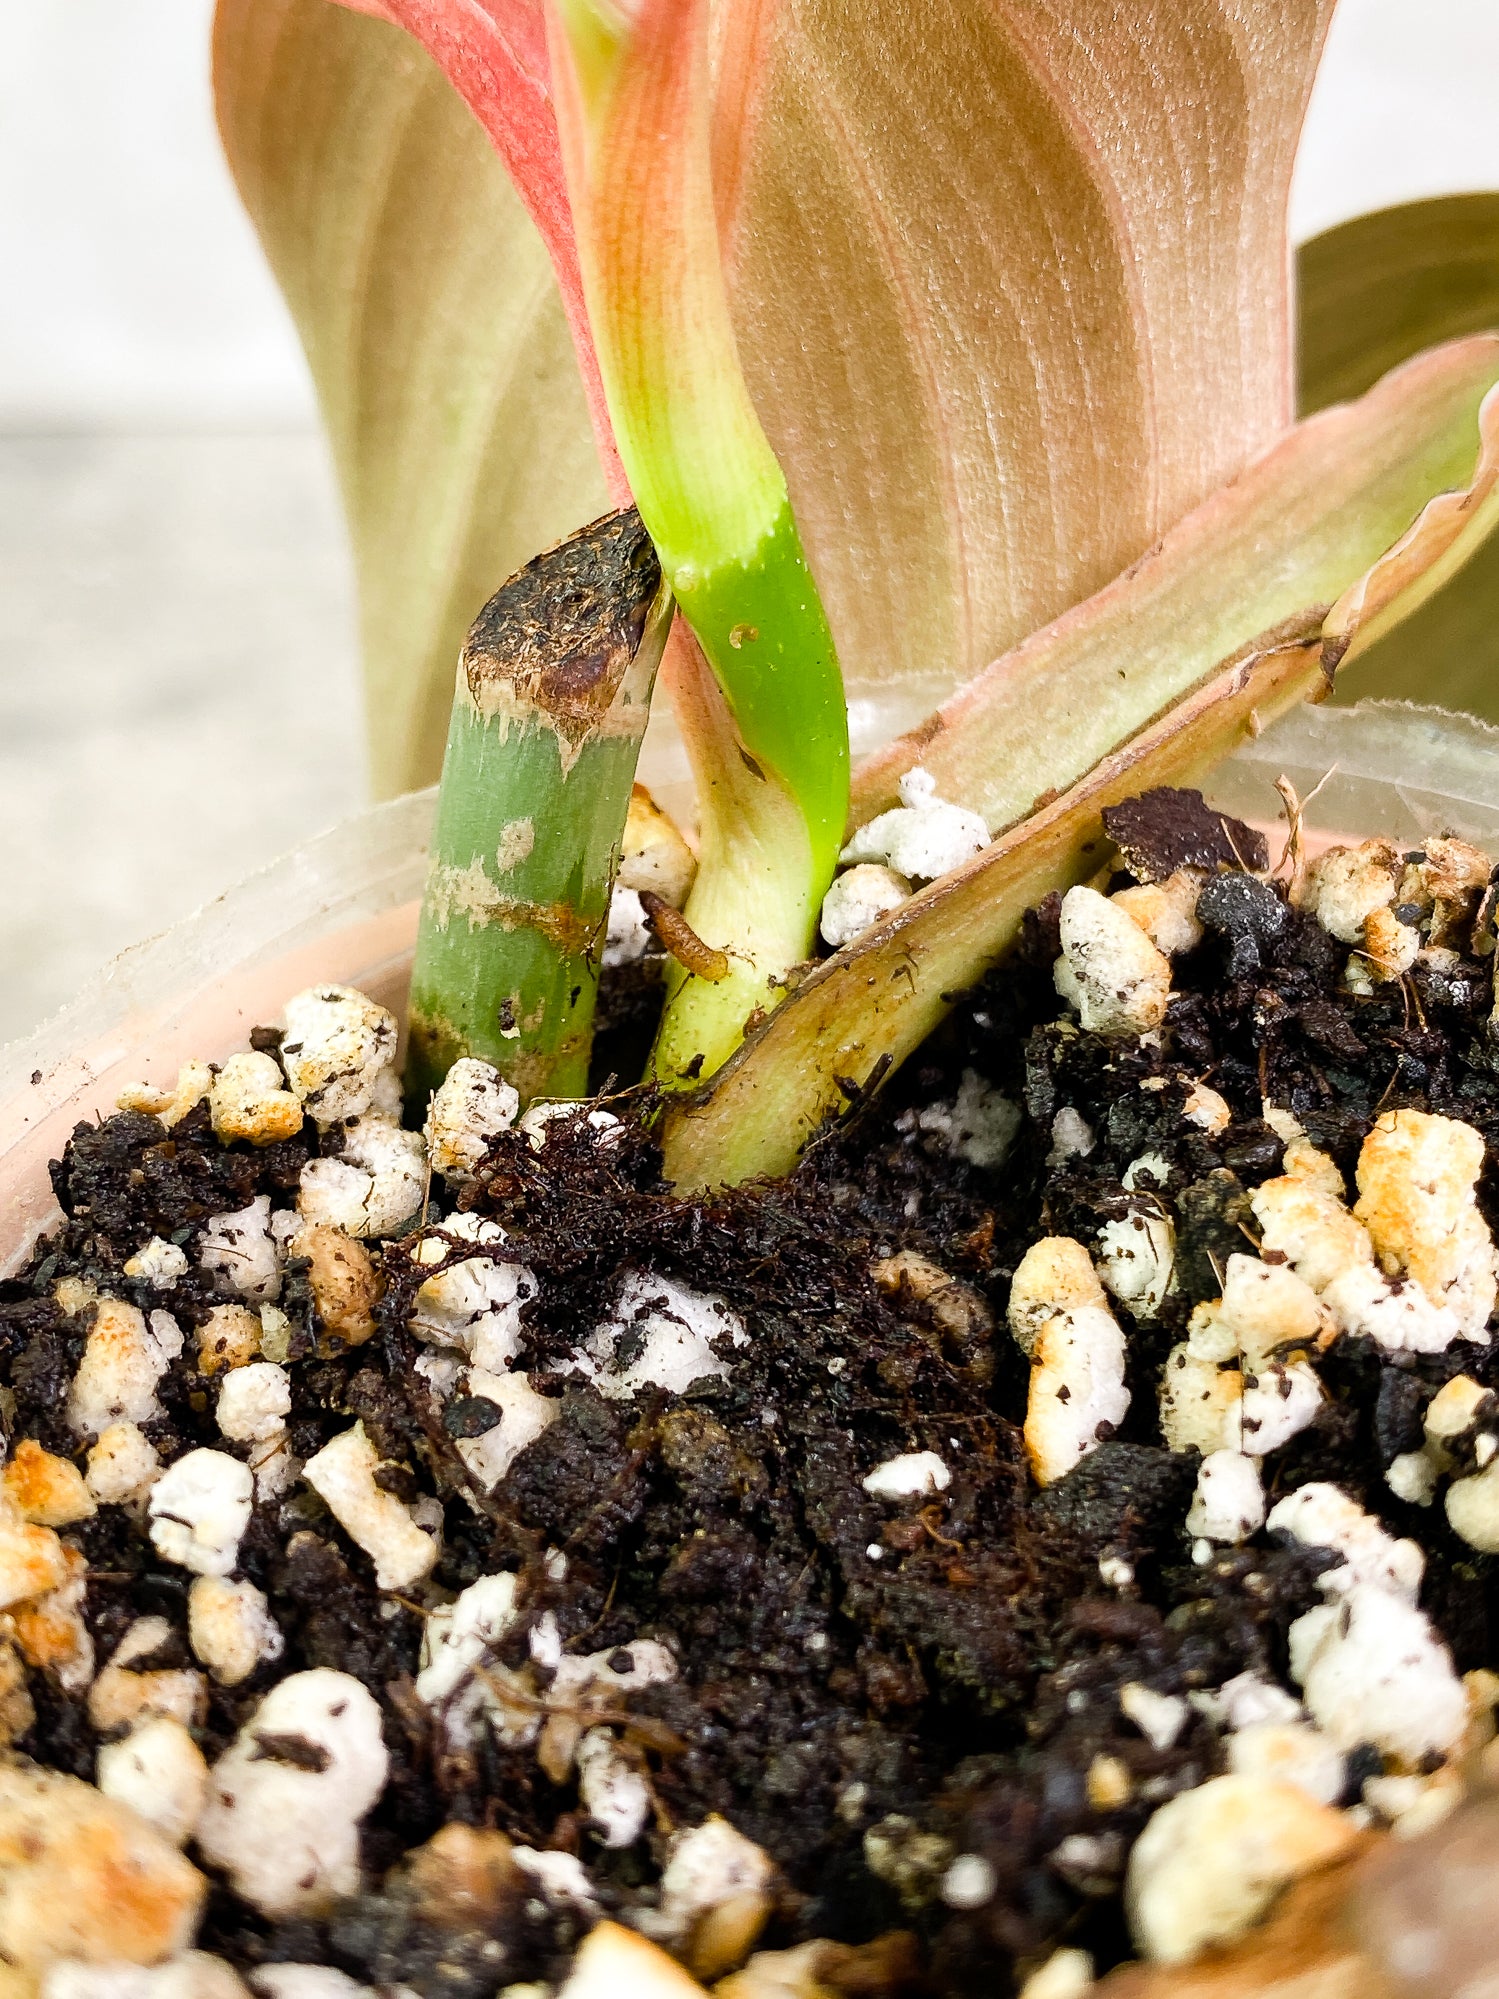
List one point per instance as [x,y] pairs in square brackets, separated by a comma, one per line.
[122,1465]
[471,1106]
[1321,1516]
[1416,1174]
[1056,1274]
[1304,1222]
[1166,911]
[373,1186]
[856,901]
[1136,1257]
[670,1334]
[523,1416]
[249,1100]
[1393,1312]
[241,1248]
[1372,1669]
[343,1475]
[475,1303]
[1211,1861]
[1229,1502]
[49,1490]
[1109,969]
[1077,1394]
[1347,885]
[200,1508]
[84,1876]
[337,1047]
[158,1770]
[230,1628]
[123,1360]
[923,837]
[285,1828]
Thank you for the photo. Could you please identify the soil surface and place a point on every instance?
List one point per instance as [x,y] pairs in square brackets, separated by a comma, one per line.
[867,1688]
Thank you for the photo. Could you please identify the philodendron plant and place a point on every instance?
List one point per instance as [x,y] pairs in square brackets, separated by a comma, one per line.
[952,343]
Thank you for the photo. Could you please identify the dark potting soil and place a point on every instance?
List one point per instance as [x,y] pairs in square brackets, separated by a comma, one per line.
[940,1672]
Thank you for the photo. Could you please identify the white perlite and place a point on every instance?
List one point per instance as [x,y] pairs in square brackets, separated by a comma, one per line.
[1348,884]
[611,1789]
[1199,1402]
[1267,1307]
[1166,911]
[1417,1175]
[1109,969]
[1393,1312]
[913,1474]
[1076,1389]
[286,1835]
[523,1416]
[311,1981]
[471,1106]
[475,1304]
[1372,1669]
[122,1465]
[1056,1274]
[1302,1220]
[230,1628]
[343,1476]
[977,1126]
[199,1509]
[857,900]
[372,1186]
[158,1263]
[1160,1718]
[1229,1502]
[194,1081]
[336,1048]
[254,1402]
[1290,1752]
[627,936]
[123,1360]
[240,1248]
[539,1119]
[923,837]
[1322,1516]
[1277,1404]
[459,1637]
[191,1975]
[250,1101]
[708,1865]
[1066,1974]
[1473,1508]
[159,1771]
[122,1696]
[1212,1860]
[671,1330]
[1136,1256]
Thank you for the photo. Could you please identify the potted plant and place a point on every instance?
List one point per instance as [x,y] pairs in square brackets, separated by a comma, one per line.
[604,1537]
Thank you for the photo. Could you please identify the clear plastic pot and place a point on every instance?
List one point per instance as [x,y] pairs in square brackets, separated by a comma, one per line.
[344,907]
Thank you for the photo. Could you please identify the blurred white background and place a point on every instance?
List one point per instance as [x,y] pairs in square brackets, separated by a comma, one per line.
[178,683]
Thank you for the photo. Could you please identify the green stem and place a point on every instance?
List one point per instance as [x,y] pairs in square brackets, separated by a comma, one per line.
[553,691]
[757,890]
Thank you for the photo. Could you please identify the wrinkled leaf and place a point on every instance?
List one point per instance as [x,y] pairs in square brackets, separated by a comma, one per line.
[436,337]
[863,1011]
[1371,293]
[1010,282]
[1290,532]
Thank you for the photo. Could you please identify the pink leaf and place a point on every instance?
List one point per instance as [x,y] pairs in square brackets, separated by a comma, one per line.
[494,53]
